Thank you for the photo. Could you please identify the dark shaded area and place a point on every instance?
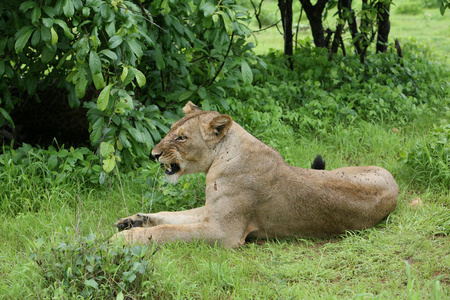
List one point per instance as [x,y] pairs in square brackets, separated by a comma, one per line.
[45,117]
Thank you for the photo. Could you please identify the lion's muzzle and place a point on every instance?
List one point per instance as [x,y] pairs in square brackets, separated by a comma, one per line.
[171,169]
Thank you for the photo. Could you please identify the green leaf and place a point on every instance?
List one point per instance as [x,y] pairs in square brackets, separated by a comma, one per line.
[185,95]
[91,282]
[49,11]
[126,100]
[74,102]
[97,128]
[208,9]
[48,53]
[111,29]
[129,76]
[48,22]
[94,62]
[123,138]
[99,81]
[23,38]
[124,74]
[27,5]
[46,35]
[102,178]
[68,8]
[35,38]
[202,93]
[64,27]
[54,36]
[136,134]
[81,82]
[120,296]
[160,64]
[115,41]
[106,149]
[227,22]
[3,43]
[7,117]
[247,74]
[108,53]
[135,47]
[165,8]
[140,78]
[205,104]
[103,98]
[35,15]
[52,161]
[86,11]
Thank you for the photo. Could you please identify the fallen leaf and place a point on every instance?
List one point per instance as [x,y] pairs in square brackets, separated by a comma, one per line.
[416,203]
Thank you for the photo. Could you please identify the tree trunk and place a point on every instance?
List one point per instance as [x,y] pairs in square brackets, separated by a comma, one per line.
[338,33]
[351,19]
[384,25]
[314,14]
[286,18]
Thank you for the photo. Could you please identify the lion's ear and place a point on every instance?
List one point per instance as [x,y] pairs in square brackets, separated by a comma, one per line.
[218,126]
[190,108]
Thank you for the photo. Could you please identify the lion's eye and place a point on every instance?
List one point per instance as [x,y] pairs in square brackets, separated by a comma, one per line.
[181,138]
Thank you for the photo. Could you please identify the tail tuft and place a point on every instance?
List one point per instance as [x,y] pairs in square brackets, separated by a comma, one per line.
[318,163]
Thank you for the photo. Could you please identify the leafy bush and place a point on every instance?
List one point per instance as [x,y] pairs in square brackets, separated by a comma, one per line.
[320,93]
[26,172]
[411,8]
[144,58]
[93,270]
[429,160]
[431,3]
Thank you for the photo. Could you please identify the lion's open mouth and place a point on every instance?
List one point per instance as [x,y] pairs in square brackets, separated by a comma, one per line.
[172,168]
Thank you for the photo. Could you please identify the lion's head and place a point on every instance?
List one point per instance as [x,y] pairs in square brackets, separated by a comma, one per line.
[190,145]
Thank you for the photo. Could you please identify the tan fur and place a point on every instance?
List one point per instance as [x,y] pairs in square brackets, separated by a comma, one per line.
[252,191]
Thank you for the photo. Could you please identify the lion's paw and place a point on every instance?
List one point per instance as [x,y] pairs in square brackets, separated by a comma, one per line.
[137,220]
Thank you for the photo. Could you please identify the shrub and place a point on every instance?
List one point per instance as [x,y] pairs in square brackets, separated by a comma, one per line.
[429,160]
[27,174]
[320,93]
[412,8]
[93,270]
[143,58]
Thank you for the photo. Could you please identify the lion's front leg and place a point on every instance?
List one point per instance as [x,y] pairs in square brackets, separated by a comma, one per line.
[191,216]
[205,231]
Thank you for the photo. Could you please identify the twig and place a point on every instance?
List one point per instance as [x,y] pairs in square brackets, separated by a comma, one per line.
[224,59]
[257,12]
[275,24]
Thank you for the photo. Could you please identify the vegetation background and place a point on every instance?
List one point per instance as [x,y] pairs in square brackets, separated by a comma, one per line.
[58,203]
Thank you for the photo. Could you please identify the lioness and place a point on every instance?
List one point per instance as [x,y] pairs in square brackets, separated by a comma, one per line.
[252,192]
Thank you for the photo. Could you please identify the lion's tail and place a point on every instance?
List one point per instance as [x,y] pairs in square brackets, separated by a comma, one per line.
[318,163]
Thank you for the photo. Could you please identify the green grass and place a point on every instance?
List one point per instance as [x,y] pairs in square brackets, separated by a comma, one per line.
[405,257]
